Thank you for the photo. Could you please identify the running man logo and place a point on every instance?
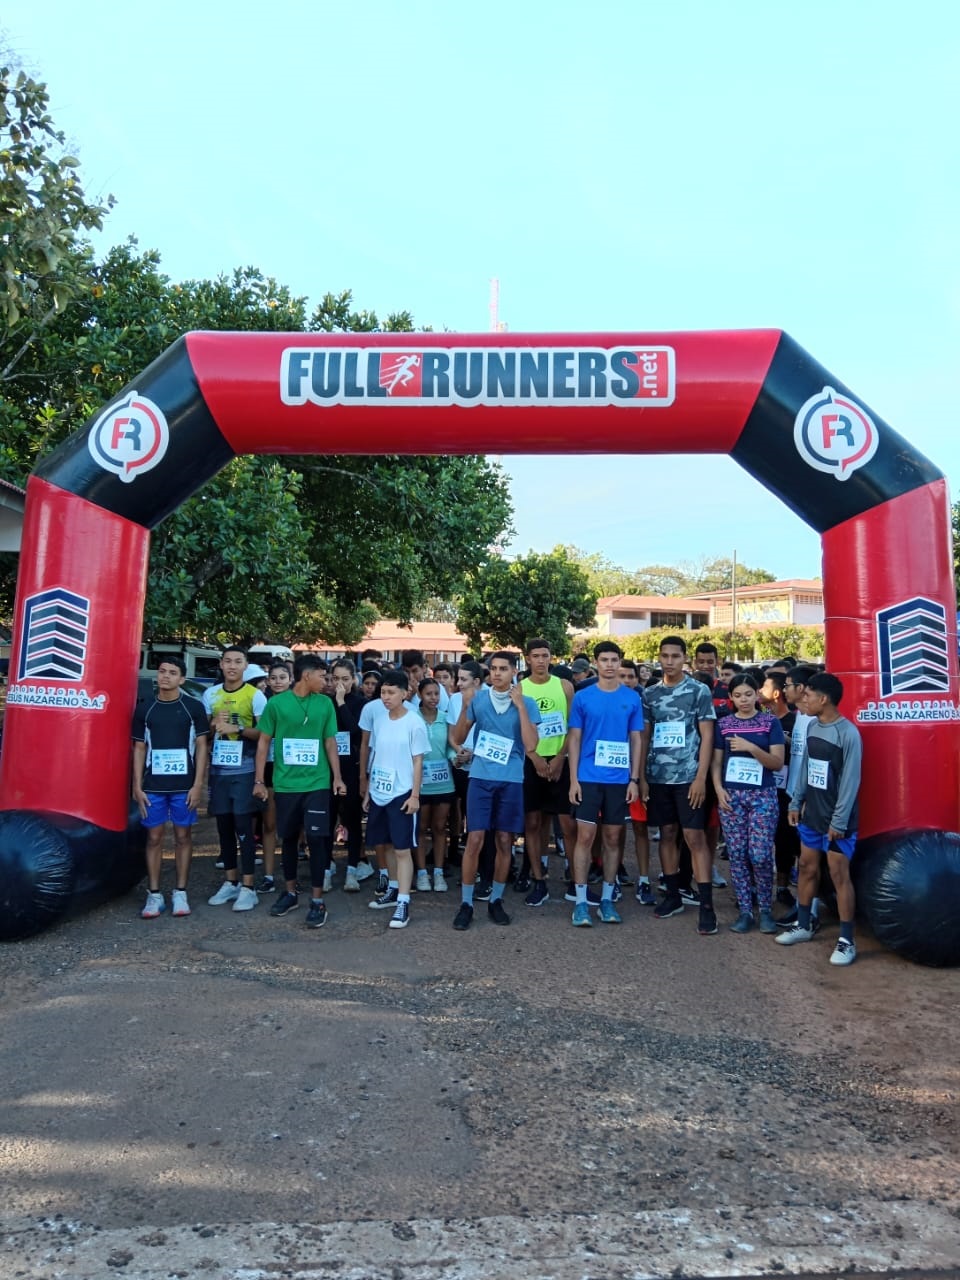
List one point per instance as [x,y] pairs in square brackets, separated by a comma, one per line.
[53,645]
[834,435]
[625,377]
[913,649]
[130,438]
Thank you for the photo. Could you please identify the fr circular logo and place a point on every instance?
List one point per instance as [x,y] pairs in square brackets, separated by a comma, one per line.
[835,435]
[129,438]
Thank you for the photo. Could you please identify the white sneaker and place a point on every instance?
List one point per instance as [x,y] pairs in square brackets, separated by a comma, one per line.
[227,892]
[181,907]
[844,953]
[351,881]
[153,907]
[423,881]
[328,880]
[793,935]
[439,883]
[364,871]
[246,899]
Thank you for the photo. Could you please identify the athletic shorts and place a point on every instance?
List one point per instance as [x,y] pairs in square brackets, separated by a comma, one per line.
[669,806]
[233,795]
[388,824]
[168,805]
[307,809]
[444,797]
[542,796]
[638,811]
[823,844]
[495,806]
[605,802]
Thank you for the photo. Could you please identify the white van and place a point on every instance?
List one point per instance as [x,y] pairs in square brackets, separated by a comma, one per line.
[264,654]
[203,661]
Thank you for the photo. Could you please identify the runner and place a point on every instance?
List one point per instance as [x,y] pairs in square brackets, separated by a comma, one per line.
[393,797]
[824,809]
[748,753]
[506,723]
[606,748]
[170,738]
[278,681]
[348,808]
[678,737]
[234,707]
[436,792]
[546,771]
[303,724]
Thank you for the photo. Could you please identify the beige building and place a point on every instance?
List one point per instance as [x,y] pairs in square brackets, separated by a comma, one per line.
[797,601]
[626,615]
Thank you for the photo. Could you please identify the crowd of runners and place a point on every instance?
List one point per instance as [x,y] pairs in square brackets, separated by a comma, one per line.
[480,772]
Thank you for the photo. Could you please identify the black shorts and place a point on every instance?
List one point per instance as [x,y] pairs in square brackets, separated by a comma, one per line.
[541,796]
[669,806]
[233,795]
[388,824]
[307,809]
[604,802]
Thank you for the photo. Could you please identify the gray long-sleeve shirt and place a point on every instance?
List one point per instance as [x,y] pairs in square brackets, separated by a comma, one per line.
[829,779]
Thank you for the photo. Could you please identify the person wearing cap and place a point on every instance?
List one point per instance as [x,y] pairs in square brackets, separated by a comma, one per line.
[583,673]
[255,676]
[234,707]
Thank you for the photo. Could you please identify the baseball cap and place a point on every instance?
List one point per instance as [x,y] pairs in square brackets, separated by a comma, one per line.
[580,665]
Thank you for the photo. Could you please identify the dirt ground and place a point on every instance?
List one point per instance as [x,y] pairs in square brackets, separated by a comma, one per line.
[234,1095]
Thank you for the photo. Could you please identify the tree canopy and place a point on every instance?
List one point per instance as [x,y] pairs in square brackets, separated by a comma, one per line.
[507,602]
[709,573]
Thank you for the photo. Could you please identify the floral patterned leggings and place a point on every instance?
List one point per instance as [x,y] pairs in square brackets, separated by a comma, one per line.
[749,828]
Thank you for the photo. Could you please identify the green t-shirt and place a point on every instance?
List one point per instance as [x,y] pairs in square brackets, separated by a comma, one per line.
[299,728]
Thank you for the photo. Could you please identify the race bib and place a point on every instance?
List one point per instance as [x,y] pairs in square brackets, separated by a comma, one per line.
[383,781]
[301,751]
[612,755]
[436,773]
[493,747]
[551,726]
[781,778]
[817,771]
[227,754]
[669,733]
[343,743]
[167,762]
[746,772]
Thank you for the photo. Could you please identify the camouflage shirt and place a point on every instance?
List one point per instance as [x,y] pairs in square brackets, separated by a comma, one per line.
[672,713]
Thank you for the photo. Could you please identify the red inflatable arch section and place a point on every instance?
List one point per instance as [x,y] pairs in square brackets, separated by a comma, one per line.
[881,508]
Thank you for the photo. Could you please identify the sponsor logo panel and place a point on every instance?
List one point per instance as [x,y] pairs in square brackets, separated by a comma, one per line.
[626,377]
[53,647]
[130,438]
[834,434]
[914,657]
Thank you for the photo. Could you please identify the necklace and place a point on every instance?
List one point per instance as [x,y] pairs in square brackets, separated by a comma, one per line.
[304,704]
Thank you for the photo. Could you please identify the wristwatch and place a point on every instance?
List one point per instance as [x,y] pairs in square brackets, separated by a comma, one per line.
[636,780]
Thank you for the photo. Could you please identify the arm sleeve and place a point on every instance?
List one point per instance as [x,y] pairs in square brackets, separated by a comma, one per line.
[852,746]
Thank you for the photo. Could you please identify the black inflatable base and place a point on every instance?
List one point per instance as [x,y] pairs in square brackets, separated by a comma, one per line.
[908,889]
[51,863]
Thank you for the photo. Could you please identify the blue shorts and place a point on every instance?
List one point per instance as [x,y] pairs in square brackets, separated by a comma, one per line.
[170,805]
[388,824]
[495,806]
[823,844]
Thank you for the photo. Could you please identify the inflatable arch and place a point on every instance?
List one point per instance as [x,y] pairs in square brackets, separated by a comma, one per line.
[882,509]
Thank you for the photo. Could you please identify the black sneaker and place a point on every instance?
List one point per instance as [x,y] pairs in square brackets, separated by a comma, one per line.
[671,904]
[286,902]
[789,920]
[623,877]
[595,875]
[707,923]
[593,898]
[521,884]
[497,913]
[785,898]
[317,915]
[464,917]
[690,897]
[482,892]
[384,900]
[538,895]
[266,885]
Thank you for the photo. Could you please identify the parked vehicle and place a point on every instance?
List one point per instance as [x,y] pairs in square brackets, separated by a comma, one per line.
[203,661]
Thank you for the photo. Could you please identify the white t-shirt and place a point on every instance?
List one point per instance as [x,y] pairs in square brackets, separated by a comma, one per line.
[398,741]
[453,715]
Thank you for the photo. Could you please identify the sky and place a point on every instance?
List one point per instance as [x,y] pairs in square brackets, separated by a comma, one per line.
[632,167]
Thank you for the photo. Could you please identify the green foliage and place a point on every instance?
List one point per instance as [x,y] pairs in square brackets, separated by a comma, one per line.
[713,573]
[507,602]
[747,644]
[42,210]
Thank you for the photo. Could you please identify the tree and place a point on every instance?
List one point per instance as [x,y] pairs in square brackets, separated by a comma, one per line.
[603,576]
[507,602]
